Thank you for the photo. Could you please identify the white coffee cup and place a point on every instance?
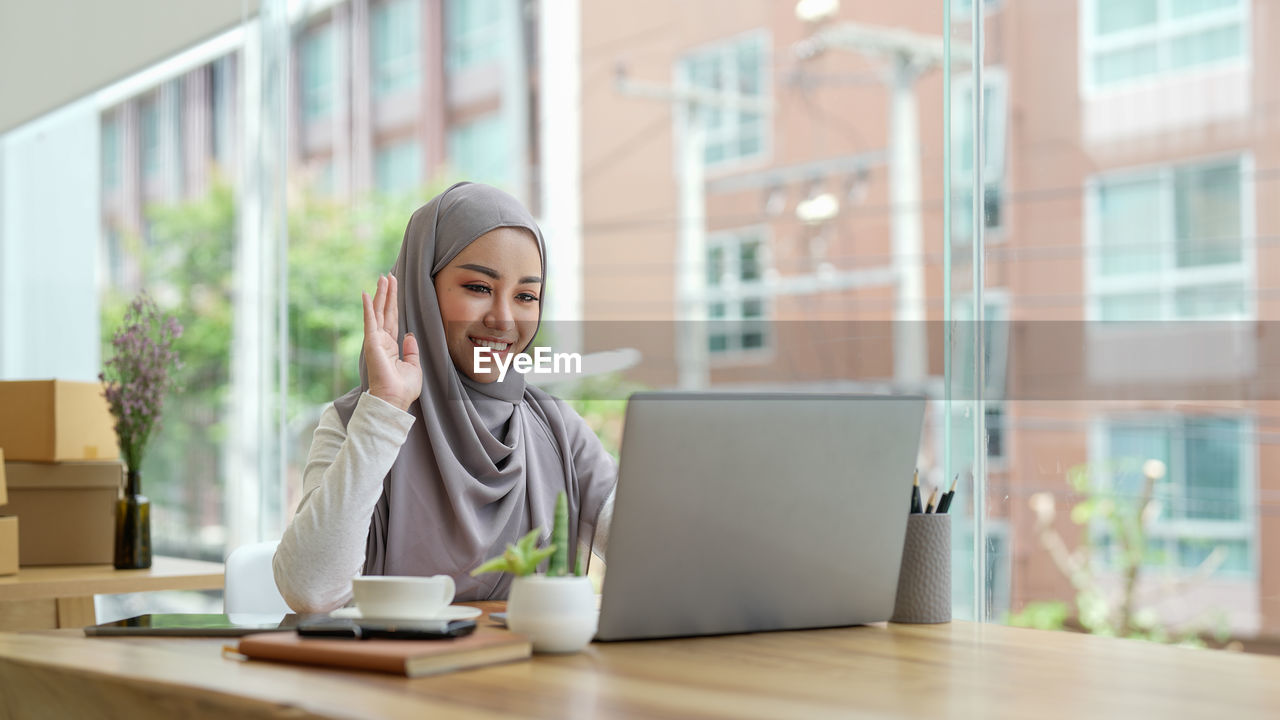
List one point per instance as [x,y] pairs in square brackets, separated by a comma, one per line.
[398,596]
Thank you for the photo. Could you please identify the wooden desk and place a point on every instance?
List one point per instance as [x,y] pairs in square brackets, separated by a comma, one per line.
[929,671]
[61,596]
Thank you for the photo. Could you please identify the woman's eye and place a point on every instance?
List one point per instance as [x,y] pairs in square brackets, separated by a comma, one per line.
[478,288]
[527,297]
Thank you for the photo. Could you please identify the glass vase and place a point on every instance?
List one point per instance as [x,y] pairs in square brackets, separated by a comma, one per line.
[133,526]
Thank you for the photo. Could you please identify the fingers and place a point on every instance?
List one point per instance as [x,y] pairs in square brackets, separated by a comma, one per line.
[370,319]
[380,302]
[411,350]
[391,315]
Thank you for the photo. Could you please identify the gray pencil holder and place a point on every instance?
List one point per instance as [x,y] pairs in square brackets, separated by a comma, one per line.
[924,580]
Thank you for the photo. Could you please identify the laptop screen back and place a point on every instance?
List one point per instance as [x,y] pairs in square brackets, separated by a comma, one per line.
[748,512]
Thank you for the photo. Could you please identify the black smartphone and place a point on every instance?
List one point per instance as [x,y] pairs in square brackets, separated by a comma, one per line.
[391,629]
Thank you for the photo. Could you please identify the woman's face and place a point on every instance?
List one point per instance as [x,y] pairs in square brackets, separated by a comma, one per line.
[489,298]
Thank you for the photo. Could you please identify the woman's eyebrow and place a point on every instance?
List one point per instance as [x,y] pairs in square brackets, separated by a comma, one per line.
[483,270]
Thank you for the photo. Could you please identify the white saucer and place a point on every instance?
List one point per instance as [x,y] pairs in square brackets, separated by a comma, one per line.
[452,612]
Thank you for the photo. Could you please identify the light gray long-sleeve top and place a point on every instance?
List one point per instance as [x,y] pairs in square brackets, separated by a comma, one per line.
[324,546]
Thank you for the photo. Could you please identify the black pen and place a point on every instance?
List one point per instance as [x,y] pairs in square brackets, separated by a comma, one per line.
[916,508]
[945,503]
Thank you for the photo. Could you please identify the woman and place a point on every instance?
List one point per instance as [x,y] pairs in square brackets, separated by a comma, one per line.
[433,464]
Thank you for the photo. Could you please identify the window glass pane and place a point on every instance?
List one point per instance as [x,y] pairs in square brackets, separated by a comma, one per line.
[317,72]
[1212,482]
[715,265]
[1187,8]
[737,67]
[1118,15]
[480,150]
[1127,64]
[753,308]
[1210,301]
[1128,243]
[1235,555]
[1131,445]
[1208,215]
[398,167]
[150,137]
[394,46]
[749,261]
[1130,307]
[1205,47]
[471,29]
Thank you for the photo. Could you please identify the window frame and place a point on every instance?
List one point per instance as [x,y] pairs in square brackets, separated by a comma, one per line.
[1167,532]
[1169,278]
[1165,30]
[395,150]
[456,37]
[735,292]
[407,65]
[309,92]
[454,140]
[723,48]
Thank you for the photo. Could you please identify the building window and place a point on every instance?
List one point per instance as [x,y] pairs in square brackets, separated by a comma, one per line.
[739,66]
[995,93]
[396,31]
[481,150]
[1170,243]
[110,154]
[738,308]
[1127,41]
[471,32]
[318,72]
[961,9]
[149,137]
[398,168]
[1203,500]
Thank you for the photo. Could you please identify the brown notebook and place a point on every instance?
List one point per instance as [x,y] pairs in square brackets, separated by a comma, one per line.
[413,658]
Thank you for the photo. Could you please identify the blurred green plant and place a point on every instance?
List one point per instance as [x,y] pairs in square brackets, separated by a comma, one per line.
[187,261]
[1125,520]
[522,557]
[601,400]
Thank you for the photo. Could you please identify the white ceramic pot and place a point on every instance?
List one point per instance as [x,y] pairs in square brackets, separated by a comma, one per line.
[558,614]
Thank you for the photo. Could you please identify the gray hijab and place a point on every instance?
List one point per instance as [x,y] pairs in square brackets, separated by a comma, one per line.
[483,463]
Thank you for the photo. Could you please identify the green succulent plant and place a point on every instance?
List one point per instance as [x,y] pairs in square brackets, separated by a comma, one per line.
[523,557]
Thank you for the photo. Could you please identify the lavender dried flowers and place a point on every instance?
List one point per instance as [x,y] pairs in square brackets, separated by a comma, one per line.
[139,374]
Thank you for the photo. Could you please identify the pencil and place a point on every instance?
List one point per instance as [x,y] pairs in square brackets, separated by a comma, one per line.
[933,501]
[945,503]
[915,494]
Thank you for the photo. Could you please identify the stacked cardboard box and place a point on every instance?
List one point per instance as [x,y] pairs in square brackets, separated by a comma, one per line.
[8,531]
[61,472]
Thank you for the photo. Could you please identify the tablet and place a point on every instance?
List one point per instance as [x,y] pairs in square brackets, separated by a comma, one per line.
[195,625]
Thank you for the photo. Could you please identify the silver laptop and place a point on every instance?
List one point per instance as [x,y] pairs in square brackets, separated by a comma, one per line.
[747,512]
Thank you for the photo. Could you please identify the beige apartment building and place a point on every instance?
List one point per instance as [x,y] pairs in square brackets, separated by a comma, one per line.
[1130,175]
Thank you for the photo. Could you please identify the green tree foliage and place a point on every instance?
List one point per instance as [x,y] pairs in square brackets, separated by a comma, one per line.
[1102,512]
[187,263]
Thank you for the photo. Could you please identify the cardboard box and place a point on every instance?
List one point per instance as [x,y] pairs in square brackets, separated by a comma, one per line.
[8,545]
[4,498]
[55,420]
[68,511]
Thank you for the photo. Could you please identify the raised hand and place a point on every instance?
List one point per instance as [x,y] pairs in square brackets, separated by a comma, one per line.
[396,379]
